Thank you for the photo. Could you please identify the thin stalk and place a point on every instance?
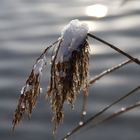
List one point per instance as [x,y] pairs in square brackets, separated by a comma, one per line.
[48,49]
[101,112]
[121,111]
[97,77]
[115,48]
[83,112]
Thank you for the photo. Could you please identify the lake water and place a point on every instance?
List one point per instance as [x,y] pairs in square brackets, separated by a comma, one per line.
[27,27]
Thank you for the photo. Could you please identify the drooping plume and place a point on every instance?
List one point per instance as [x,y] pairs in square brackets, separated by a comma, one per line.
[69,73]
[69,70]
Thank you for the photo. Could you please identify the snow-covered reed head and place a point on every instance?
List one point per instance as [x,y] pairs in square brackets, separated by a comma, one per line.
[69,69]
[73,36]
[69,72]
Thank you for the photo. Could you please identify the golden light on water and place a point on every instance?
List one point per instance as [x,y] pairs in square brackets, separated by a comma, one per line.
[97,10]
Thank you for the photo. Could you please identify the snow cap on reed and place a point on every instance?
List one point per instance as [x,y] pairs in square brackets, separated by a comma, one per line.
[73,35]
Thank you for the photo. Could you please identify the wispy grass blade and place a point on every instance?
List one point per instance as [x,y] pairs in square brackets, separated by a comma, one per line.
[109,71]
[31,90]
[44,52]
[101,112]
[84,104]
[115,48]
[121,111]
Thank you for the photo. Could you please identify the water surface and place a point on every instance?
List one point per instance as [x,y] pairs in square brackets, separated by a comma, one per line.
[28,26]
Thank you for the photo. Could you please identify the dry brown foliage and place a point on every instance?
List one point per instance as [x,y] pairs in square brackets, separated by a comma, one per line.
[27,98]
[66,80]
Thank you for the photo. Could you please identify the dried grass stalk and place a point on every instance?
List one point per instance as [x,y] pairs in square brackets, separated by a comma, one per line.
[31,90]
[94,117]
[27,98]
[67,79]
[69,74]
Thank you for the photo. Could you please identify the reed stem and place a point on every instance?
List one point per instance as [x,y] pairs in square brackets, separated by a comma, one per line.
[99,76]
[103,110]
[115,48]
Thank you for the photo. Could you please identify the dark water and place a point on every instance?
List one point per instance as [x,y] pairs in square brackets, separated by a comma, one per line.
[28,26]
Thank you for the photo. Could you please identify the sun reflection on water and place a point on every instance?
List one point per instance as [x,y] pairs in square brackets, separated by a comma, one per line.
[97,10]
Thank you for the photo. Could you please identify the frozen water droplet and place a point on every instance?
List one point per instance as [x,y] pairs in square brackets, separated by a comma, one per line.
[109,70]
[81,123]
[84,113]
[68,133]
[22,106]
[53,57]
[50,62]
[122,109]
[41,90]
[57,73]
[39,66]
[87,50]
[28,87]
[22,90]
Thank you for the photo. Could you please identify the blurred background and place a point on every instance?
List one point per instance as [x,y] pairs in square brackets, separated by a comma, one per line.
[27,27]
